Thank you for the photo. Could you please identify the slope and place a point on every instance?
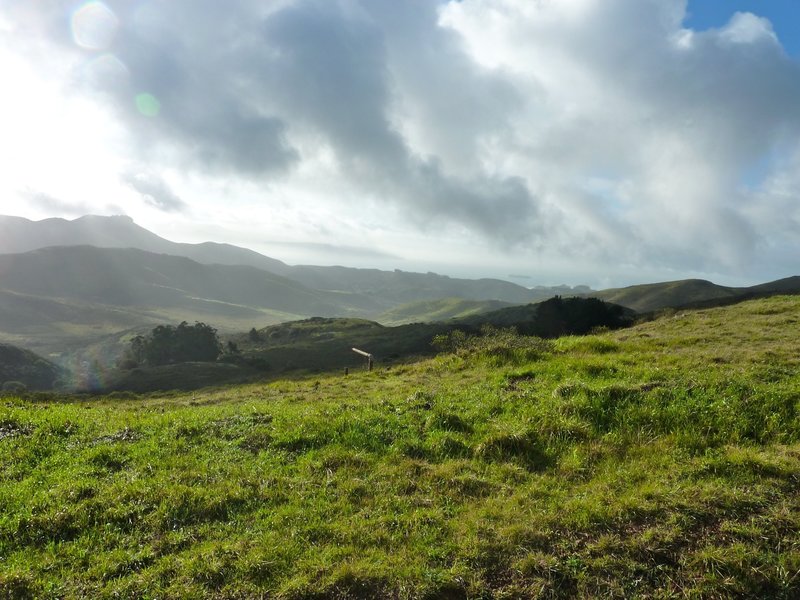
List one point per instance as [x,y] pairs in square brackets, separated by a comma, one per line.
[19,366]
[19,235]
[437,310]
[654,296]
[128,277]
[653,462]
[371,289]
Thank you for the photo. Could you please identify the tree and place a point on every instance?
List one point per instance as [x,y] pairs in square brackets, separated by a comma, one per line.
[166,344]
[254,335]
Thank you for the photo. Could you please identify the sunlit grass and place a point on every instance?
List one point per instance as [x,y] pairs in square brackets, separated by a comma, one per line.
[659,461]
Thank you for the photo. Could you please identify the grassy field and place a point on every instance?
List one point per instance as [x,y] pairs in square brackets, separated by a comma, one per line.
[658,461]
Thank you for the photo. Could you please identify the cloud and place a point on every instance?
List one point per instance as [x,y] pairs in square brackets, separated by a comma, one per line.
[336,250]
[57,206]
[603,132]
[670,118]
[154,191]
[239,89]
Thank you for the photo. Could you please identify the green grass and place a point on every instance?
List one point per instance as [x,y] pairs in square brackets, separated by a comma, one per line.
[661,461]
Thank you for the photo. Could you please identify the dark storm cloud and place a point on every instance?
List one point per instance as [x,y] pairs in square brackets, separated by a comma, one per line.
[154,191]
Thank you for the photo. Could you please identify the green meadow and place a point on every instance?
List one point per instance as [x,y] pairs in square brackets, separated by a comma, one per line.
[658,461]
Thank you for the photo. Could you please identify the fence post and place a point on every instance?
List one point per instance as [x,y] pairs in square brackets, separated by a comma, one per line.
[365,354]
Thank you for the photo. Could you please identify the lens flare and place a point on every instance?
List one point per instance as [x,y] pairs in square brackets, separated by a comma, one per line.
[94,26]
[148,105]
[106,71]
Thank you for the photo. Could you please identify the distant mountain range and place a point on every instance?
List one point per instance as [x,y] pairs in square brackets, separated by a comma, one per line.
[18,234]
[64,284]
[370,290]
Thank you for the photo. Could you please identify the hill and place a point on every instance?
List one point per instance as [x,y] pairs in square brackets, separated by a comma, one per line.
[18,235]
[23,366]
[323,344]
[392,288]
[128,277]
[657,461]
[654,296]
[438,310]
[372,290]
[54,297]
[691,293]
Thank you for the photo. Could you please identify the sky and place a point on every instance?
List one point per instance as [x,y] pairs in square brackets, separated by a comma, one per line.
[599,142]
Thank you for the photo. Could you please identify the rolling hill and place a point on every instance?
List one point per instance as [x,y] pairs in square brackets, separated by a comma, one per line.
[438,310]
[658,461]
[129,277]
[381,290]
[20,366]
[55,300]
[690,293]
[19,235]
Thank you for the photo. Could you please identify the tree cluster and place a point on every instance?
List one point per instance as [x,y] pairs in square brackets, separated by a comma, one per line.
[167,345]
[574,316]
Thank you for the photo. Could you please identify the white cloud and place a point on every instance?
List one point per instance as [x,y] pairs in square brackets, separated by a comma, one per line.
[581,135]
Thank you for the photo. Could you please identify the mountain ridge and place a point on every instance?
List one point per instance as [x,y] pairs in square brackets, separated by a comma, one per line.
[386,289]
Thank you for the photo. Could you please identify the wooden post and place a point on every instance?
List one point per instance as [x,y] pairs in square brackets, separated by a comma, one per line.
[367,355]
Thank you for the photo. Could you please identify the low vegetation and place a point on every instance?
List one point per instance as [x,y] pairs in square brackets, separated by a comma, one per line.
[21,370]
[658,461]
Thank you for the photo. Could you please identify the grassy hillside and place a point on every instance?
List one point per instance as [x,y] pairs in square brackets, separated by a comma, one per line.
[19,366]
[696,293]
[438,310]
[128,277]
[654,296]
[657,461]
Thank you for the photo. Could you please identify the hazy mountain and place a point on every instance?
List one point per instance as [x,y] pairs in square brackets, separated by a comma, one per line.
[383,289]
[391,288]
[438,310]
[135,278]
[23,235]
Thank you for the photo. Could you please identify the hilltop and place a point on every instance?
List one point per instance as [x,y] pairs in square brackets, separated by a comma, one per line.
[369,290]
[661,460]
[688,293]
